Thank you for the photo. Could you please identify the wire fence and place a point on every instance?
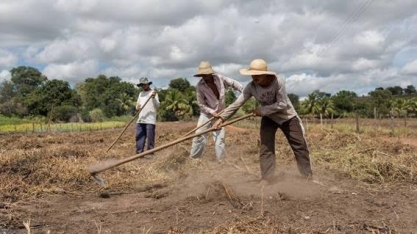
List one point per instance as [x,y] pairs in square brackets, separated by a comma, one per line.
[59,127]
[358,125]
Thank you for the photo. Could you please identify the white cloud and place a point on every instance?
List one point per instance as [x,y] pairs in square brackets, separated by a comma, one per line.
[363,64]
[5,75]
[324,44]
[410,68]
[7,59]
[76,48]
[72,72]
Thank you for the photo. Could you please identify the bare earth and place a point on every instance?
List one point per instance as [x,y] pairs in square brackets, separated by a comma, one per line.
[203,196]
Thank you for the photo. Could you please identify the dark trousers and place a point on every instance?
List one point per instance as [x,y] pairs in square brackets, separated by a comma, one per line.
[294,132]
[143,132]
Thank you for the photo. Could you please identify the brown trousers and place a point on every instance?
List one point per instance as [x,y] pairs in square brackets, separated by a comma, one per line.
[294,132]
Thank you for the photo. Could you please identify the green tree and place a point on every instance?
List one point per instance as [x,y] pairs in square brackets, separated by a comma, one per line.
[312,105]
[325,106]
[230,97]
[411,105]
[7,91]
[249,105]
[396,90]
[102,92]
[52,94]
[96,115]
[380,100]
[344,102]
[410,89]
[26,79]
[181,84]
[309,105]
[7,95]
[126,102]
[175,106]
[295,100]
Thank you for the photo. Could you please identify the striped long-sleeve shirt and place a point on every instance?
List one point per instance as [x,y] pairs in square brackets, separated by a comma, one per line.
[207,100]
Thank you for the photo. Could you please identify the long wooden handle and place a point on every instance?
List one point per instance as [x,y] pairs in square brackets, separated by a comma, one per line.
[198,127]
[128,124]
[99,168]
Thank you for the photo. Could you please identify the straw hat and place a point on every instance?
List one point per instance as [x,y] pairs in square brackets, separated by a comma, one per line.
[257,67]
[143,81]
[204,69]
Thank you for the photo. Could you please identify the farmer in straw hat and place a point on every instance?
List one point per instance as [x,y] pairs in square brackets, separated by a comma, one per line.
[211,90]
[145,127]
[277,112]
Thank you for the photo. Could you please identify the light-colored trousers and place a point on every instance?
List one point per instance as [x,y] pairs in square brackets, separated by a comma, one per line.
[199,142]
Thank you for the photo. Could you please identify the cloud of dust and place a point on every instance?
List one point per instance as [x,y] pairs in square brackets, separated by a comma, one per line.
[287,181]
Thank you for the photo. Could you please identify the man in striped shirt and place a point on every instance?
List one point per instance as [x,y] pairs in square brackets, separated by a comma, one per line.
[211,90]
[277,111]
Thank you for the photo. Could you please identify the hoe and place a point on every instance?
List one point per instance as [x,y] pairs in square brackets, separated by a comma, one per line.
[105,166]
[127,125]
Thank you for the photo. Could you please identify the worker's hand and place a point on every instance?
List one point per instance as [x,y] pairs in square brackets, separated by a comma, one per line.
[215,115]
[138,107]
[217,124]
[256,112]
[153,94]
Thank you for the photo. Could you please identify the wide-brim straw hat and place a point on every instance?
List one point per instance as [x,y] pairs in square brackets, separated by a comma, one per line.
[257,67]
[204,69]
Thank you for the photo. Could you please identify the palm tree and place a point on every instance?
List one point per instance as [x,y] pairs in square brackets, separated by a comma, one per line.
[125,102]
[176,102]
[324,106]
[310,104]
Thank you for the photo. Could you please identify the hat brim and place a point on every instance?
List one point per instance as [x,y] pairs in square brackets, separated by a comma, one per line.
[250,72]
[203,72]
[140,84]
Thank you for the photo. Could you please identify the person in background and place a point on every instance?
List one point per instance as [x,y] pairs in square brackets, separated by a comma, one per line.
[145,127]
[277,111]
[211,90]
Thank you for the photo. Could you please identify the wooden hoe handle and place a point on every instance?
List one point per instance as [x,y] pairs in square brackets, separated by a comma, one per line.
[128,124]
[97,169]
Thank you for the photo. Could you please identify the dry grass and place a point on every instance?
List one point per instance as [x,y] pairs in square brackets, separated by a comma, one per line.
[31,167]
[365,157]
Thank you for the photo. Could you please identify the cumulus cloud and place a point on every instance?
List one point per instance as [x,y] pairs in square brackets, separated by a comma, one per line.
[4,75]
[7,59]
[63,51]
[72,72]
[329,45]
[410,68]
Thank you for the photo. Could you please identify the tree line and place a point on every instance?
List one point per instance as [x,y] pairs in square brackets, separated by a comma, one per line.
[30,94]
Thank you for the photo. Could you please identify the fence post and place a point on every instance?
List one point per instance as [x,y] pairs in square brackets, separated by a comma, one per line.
[357,121]
[392,121]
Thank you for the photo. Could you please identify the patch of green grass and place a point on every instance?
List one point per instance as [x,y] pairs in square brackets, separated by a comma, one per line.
[60,127]
[11,120]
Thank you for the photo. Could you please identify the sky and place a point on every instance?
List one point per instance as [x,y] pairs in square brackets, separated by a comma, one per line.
[326,45]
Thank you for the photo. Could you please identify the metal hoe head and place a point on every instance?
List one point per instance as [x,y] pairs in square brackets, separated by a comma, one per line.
[98,179]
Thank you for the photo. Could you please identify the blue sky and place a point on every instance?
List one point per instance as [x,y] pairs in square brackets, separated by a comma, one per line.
[329,45]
